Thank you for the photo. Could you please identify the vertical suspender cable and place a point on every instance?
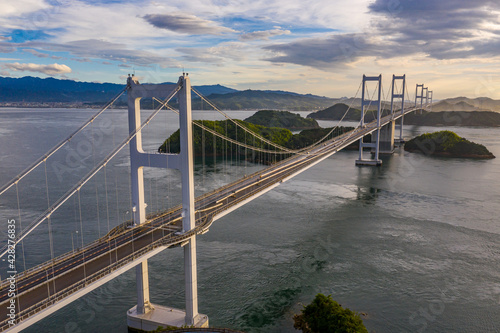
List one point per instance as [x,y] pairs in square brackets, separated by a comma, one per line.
[20,223]
[95,181]
[106,190]
[215,146]
[81,235]
[117,201]
[225,148]
[203,147]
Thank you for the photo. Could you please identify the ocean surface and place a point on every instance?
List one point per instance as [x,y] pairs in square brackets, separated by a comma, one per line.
[413,245]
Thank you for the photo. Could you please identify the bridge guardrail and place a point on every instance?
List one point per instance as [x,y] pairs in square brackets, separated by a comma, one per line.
[165,241]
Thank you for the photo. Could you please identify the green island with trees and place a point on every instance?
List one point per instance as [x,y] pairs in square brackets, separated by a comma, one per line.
[324,314]
[448,144]
[282,119]
[336,112]
[343,111]
[209,145]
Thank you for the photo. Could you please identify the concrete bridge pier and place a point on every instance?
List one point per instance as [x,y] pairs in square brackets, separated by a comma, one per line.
[386,144]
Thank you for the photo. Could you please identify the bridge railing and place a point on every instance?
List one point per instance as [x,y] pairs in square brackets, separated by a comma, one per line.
[165,241]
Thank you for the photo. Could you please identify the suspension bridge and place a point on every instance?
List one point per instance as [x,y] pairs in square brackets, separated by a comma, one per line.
[30,295]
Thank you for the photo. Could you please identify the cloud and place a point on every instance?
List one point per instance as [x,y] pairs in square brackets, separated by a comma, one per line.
[321,52]
[4,73]
[36,53]
[21,7]
[445,29]
[265,35]
[6,48]
[54,69]
[187,24]
[81,60]
[217,54]
[100,49]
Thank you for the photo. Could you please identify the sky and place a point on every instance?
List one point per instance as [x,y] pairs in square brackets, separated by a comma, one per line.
[322,47]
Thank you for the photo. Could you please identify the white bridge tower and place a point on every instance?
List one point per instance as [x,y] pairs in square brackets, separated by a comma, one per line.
[394,96]
[146,316]
[376,134]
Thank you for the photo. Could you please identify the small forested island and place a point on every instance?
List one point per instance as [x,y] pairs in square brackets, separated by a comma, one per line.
[209,145]
[338,111]
[449,144]
[282,119]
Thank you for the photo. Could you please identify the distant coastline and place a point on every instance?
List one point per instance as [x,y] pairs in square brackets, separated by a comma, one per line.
[454,118]
[437,119]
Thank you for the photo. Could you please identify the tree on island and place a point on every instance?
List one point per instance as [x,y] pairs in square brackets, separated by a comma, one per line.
[324,315]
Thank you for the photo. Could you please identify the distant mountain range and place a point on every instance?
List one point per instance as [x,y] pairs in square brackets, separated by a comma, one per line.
[276,100]
[32,91]
[36,90]
[49,92]
[467,104]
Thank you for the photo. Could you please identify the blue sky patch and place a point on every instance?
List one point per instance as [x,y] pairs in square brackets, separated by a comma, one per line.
[248,25]
[21,36]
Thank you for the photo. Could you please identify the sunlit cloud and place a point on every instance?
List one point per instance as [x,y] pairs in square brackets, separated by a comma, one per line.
[21,7]
[53,69]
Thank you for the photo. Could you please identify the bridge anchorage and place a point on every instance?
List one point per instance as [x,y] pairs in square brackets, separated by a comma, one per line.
[146,316]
